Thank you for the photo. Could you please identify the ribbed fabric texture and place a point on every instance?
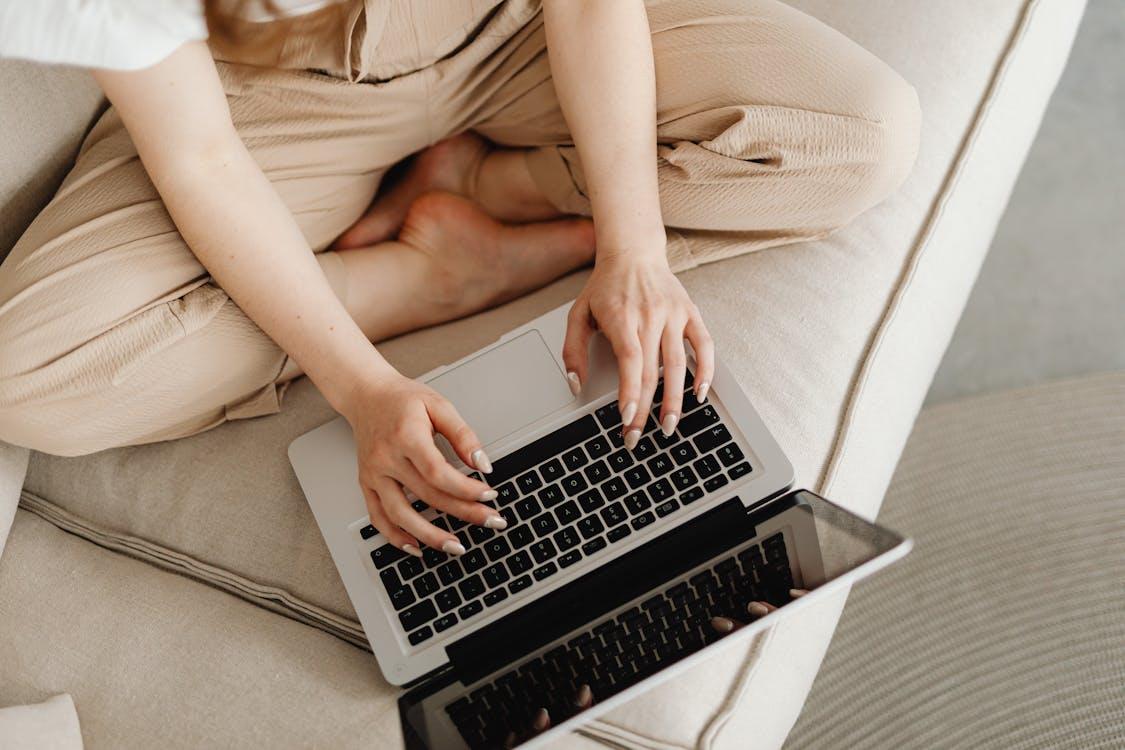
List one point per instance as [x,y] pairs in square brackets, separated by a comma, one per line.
[1005,628]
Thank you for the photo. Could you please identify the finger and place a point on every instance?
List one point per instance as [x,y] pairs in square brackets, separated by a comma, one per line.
[700,338]
[675,370]
[439,473]
[541,721]
[393,534]
[797,593]
[650,376]
[760,609]
[467,510]
[584,698]
[465,442]
[409,520]
[725,625]
[630,366]
[576,345]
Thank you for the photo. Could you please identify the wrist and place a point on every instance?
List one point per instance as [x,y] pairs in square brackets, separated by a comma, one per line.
[348,392]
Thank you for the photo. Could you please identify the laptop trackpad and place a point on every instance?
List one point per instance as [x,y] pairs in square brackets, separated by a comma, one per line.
[507,387]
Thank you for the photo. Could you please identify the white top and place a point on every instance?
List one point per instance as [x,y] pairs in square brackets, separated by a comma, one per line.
[114,34]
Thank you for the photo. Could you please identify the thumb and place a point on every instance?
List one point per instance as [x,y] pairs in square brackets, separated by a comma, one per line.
[466,444]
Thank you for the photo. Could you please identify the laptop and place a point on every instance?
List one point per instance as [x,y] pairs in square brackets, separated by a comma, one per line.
[613,564]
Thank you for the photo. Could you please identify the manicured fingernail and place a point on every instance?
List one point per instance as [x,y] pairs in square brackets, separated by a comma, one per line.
[629,412]
[701,391]
[480,461]
[541,721]
[410,549]
[757,609]
[722,624]
[668,426]
[495,522]
[488,496]
[574,383]
[452,547]
[632,437]
[585,697]
[797,593]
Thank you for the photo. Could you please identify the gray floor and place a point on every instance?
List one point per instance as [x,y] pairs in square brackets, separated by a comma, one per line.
[1050,301]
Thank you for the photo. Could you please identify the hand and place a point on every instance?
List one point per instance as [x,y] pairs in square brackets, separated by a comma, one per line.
[645,313]
[394,420]
[755,609]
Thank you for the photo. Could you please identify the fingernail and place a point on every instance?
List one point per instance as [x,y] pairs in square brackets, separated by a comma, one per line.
[722,624]
[541,721]
[488,495]
[797,593]
[585,697]
[452,547]
[629,412]
[757,609]
[495,522]
[410,549]
[701,391]
[480,461]
[574,383]
[632,437]
[668,426]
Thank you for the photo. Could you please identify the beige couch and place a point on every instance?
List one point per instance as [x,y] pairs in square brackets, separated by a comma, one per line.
[182,595]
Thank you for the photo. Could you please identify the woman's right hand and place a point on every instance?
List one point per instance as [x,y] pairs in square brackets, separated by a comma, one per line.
[394,420]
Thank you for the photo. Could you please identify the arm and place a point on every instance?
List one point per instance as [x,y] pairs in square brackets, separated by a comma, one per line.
[240,230]
[602,63]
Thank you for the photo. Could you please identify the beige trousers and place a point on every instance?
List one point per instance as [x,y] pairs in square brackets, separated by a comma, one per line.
[772,128]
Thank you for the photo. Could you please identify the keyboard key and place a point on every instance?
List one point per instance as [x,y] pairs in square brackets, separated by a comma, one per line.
[529,482]
[519,584]
[570,558]
[714,483]
[637,502]
[528,508]
[544,524]
[614,488]
[390,579]
[447,599]
[642,520]
[509,515]
[479,534]
[418,615]
[683,452]
[665,441]
[507,493]
[575,458]
[684,478]
[521,536]
[567,512]
[618,533]
[450,572]
[473,560]
[697,420]
[471,587]
[497,548]
[591,500]
[667,507]
[774,547]
[660,465]
[660,491]
[706,466]
[620,460]
[426,585]
[402,597]
[445,622]
[551,470]
[590,526]
[519,563]
[551,495]
[596,472]
[593,546]
[574,484]
[495,574]
[712,438]
[543,571]
[645,447]
[691,495]
[609,415]
[455,523]
[543,550]
[470,609]
[368,531]
[419,635]
[419,506]
[597,447]
[739,471]
[409,567]
[637,477]
[614,514]
[492,598]
[566,538]
[386,555]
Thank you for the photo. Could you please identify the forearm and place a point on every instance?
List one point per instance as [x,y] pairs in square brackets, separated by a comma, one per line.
[243,234]
[602,65]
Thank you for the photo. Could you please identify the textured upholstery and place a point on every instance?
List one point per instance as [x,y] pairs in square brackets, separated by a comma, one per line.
[835,341]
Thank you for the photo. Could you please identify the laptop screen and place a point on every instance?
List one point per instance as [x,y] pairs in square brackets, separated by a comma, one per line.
[629,624]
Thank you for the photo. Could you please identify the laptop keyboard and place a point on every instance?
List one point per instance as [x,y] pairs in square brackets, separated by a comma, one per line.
[566,496]
[618,651]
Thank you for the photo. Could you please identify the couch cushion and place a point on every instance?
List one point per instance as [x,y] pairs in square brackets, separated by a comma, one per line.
[835,340]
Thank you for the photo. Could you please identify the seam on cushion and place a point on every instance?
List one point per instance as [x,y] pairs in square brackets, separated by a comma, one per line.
[840,446]
[268,597]
[749,668]
[614,735]
[712,732]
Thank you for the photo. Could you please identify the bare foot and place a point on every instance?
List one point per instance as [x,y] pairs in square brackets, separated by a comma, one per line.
[451,260]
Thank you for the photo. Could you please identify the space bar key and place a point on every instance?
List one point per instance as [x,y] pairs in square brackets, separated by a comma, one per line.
[533,453]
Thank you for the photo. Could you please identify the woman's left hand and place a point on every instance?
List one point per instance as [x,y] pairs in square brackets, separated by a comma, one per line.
[645,313]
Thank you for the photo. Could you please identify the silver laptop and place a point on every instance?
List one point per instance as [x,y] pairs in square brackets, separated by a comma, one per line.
[613,563]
